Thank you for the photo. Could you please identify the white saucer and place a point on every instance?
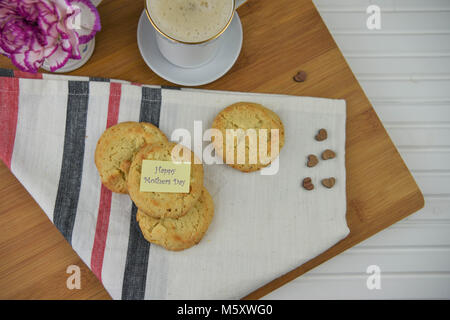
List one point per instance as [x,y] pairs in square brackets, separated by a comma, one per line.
[228,52]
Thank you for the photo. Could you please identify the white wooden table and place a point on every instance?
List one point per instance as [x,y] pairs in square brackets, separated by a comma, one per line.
[404,69]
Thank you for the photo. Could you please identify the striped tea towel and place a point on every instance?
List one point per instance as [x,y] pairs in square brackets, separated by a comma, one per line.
[264,225]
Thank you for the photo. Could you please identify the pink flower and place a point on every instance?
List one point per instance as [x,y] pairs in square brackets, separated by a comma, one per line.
[32,31]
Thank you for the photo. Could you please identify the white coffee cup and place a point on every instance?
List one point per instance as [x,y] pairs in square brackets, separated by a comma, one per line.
[189,54]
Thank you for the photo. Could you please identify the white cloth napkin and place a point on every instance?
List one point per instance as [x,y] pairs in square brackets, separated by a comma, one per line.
[264,225]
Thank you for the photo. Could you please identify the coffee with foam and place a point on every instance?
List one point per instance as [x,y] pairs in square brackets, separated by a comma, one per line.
[190,20]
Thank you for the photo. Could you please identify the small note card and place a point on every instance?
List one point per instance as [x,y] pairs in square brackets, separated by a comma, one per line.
[165,176]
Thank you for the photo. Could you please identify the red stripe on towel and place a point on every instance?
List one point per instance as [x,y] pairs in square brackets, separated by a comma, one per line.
[101,231]
[104,209]
[9,108]
[115,91]
[27,75]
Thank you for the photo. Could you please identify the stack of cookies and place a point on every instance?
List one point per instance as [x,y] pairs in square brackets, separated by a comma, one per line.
[175,221]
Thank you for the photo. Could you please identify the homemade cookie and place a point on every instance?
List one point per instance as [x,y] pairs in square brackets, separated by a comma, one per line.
[181,233]
[117,147]
[164,205]
[247,115]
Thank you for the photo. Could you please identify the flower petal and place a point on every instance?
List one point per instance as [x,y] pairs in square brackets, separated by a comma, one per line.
[34,59]
[87,22]
[3,52]
[58,59]
[71,45]
[50,50]
[18,59]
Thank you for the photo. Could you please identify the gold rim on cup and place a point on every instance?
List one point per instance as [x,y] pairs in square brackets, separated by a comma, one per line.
[184,42]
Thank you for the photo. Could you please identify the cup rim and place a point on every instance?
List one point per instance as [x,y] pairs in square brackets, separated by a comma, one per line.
[185,42]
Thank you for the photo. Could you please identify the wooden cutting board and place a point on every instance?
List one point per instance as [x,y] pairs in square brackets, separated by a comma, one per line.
[280,38]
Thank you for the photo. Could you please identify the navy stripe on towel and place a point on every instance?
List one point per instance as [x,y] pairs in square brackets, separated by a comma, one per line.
[135,276]
[66,203]
[98,79]
[150,105]
[136,265]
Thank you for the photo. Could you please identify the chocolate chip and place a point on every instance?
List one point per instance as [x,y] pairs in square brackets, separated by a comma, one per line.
[300,76]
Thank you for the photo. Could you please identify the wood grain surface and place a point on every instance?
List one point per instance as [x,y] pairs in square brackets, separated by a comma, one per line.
[280,38]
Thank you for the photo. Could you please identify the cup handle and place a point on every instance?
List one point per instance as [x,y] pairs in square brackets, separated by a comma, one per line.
[239,3]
